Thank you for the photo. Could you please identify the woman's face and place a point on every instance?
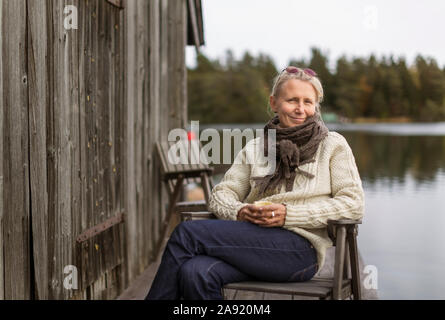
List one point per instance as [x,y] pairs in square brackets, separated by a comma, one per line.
[296,102]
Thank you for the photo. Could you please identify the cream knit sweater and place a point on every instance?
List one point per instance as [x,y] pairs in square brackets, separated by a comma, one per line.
[335,192]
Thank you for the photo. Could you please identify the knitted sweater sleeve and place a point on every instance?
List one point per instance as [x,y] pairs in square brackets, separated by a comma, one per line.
[227,196]
[347,196]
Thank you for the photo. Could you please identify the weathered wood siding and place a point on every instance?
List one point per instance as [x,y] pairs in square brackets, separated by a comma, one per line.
[80,112]
[16,211]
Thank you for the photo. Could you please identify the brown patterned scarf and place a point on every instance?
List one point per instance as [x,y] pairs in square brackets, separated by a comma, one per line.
[295,146]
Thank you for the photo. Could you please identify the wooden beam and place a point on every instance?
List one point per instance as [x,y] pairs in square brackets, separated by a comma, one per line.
[200,21]
[194,23]
[38,101]
[2,272]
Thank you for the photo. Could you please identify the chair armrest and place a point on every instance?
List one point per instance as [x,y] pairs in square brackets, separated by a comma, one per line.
[191,206]
[198,215]
[351,226]
[343,222]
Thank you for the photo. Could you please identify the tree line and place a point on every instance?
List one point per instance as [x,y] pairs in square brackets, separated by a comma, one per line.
[237,91]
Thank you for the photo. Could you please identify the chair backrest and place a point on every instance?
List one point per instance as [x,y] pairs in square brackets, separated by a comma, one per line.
[191,163]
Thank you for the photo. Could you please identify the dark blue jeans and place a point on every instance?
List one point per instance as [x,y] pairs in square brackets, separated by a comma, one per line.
[202,256]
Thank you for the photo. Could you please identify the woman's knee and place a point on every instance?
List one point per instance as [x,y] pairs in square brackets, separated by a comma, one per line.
[188,226]
[191,231]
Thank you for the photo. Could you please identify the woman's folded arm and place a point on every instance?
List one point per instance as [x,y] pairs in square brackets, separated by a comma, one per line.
[227,196]
[347,195]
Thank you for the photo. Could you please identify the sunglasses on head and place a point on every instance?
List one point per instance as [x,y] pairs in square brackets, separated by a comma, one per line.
[293,69]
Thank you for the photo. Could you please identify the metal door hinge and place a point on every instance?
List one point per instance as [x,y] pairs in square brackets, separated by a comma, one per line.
[88,234]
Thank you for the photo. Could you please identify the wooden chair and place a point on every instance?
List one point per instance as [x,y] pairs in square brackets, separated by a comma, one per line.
[177,176]
[345,282]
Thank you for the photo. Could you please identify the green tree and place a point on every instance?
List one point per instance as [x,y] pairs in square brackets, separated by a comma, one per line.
[265,65]
[238,90]
[320,64]
[347,91]
[410,91]
[232,92]
[432,87]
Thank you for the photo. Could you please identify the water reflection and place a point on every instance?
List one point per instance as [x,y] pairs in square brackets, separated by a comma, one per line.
[393,157]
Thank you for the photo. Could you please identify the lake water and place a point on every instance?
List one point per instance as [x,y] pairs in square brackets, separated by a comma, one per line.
[402,167]
[402,234]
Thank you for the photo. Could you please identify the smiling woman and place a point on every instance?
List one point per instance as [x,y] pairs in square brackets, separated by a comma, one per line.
[295,103]
[271,226]
[296,95]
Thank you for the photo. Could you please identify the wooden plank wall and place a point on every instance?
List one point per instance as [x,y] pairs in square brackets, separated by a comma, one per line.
[15,216]
[80,112]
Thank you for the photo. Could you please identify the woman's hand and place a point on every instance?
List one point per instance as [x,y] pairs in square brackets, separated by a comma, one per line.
[272,215]
[250,213]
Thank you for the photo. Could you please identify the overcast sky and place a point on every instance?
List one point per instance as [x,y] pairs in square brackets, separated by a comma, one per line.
[287,29]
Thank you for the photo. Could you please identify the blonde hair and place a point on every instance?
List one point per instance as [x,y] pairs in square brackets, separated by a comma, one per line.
[284,76]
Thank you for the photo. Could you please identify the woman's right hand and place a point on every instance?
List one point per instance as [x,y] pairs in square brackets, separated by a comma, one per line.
[250,213]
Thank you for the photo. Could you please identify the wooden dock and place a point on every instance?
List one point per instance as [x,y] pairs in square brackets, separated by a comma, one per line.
[138,289]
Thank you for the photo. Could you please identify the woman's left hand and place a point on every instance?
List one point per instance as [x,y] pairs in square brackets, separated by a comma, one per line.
[273,215]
